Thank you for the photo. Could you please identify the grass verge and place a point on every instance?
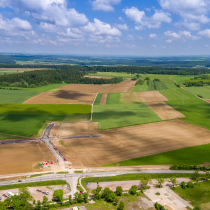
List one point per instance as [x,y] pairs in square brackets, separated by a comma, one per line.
[33,184]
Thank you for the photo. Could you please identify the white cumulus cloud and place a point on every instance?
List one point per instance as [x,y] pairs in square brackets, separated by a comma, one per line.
[122,26]
[193,13]
[141,19]
[104,5]
[205,32]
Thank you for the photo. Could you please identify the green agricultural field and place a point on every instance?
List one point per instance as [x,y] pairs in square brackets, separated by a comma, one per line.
[197,111]
[113,74]
[151,86]
[26,124]
[161,86]
[183,78]
[191,156]
[27,119]
[199,195]
[98,99]
[203,91]
[7,136]
[15,96]
[139,88]
[122,115]
[62,109]
[113,98]
[46,88]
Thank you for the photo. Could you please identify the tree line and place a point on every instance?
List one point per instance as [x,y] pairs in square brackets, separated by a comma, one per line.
[36,78]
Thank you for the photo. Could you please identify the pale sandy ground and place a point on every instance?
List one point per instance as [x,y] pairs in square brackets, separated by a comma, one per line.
[152,96]
[125,86]
[103,99]
[164,111]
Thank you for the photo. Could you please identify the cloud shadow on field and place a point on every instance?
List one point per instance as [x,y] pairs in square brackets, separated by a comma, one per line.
[73,95]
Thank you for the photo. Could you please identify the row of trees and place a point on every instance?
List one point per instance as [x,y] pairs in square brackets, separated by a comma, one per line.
[189,167]
[147,70]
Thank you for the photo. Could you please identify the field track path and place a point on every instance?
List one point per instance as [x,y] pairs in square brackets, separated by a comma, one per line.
[191,92]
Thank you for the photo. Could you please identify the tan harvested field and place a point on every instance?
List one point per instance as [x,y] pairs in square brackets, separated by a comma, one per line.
[68,94]
[132,142]
[103,99]
[207,100]
[164,111]
[128,98]
[74,129]
[21,69]
[98,77]
[152,96]
[125,86]
[23,157]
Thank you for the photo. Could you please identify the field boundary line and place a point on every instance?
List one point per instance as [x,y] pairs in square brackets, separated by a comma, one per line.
[91,118]
[190,92]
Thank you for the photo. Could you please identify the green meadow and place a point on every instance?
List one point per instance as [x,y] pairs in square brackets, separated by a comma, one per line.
[15,96]
[65,109]
[122,115]
[203,91]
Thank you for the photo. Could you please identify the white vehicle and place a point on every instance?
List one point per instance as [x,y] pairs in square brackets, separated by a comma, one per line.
[10,194]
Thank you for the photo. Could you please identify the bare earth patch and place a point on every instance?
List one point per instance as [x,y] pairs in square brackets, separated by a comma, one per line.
[74,129]
[152,96]
[98,77]
[103,99]
[133,142]
[164,111]
[129,98]
[125,86]
[20,158]
[207,100]
[68,94]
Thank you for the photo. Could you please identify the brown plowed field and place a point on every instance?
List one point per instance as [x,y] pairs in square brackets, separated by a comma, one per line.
[125,86]
[129,98]
[68,94]
[103,99]
[23,157]
[152,96]
[98,77]
[74,129]
[164,111]
[133,142]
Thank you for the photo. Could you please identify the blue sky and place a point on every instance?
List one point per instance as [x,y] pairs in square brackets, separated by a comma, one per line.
[106,27]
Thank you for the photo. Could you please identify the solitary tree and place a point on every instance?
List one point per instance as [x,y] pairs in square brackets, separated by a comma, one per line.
[45,200]
[173,181]
[145,181]
[160,182]
[133,190]
[195,175]
[85,195]
[96,192]
[58,195]
[207,175]
[119,190]
[121,206]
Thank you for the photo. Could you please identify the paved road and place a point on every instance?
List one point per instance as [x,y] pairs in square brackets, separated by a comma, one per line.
[18,141]
[72,179]
[47,140]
